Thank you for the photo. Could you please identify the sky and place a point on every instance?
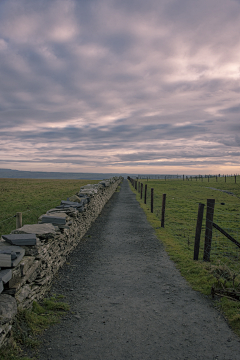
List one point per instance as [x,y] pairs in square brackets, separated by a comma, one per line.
[132,86]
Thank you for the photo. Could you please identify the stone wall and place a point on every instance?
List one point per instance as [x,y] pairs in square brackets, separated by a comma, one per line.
[33,275]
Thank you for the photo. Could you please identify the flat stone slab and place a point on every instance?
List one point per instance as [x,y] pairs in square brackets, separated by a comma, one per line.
[89,186]
[75,199]
[5,275]
[10,255]
[85,198]
[57,214]
[20,239]
[89,191]
[1,286]
[38,229]
[105,183]
[54,219]
[71,203]
[65,204]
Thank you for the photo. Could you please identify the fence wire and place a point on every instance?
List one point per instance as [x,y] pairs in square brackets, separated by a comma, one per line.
[224,250]
[29,216]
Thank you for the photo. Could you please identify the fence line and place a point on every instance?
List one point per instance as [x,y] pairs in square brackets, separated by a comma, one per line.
[210,239]
[30,214]
[188,177]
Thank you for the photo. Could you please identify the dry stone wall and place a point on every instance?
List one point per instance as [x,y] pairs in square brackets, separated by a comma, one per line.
[57,233]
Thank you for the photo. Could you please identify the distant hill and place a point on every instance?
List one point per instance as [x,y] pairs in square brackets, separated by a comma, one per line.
[18,174]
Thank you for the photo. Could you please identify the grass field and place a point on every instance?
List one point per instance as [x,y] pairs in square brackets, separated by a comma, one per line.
[33,198]
[178,235]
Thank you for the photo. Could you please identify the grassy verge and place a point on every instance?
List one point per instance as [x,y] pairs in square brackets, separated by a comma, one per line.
[178,235]
[31,323]
[32,197]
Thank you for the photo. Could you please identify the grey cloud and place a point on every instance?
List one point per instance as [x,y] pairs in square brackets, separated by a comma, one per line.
[231,110]
[112,63]
[110,134]
[176,164]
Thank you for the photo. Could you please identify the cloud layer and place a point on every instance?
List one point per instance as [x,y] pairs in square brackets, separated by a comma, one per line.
[144,87]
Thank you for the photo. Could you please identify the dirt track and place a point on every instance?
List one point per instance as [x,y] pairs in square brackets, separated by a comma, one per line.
[128,299]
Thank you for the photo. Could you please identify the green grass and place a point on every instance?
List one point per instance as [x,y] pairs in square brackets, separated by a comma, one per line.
[31,323]
[32,197]
[178,235]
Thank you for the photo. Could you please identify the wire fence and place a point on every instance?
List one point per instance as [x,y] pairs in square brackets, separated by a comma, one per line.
[221,247]
[29,216]
[206,178]
[180,219]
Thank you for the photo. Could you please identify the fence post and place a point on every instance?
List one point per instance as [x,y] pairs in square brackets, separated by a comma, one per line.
[225,178]
[163,210]
[183,177]
[145,195]
[141,189]
[208,231]
[198,231]
[152,191]
[235,178]
[18,220]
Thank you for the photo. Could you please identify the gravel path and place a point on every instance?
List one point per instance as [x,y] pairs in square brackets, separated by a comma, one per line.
[128,299]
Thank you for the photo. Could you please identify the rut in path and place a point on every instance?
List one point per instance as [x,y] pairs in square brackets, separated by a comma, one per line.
[128,301]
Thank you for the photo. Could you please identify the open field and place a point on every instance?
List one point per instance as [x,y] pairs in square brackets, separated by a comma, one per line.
[178,235]
[32,197]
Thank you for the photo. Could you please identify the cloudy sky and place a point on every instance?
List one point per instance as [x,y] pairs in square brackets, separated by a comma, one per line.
[129,86]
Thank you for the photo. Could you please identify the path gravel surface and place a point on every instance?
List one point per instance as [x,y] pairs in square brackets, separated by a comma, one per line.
[128,300]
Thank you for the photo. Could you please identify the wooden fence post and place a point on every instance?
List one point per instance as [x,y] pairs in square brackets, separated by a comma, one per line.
[18,220]
[235,178]
[163,210]
[198,231]
[208,231]
[141,189]
[152,191]
[145,195]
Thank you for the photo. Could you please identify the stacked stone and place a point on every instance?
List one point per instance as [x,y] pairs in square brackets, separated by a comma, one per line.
[57,233]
